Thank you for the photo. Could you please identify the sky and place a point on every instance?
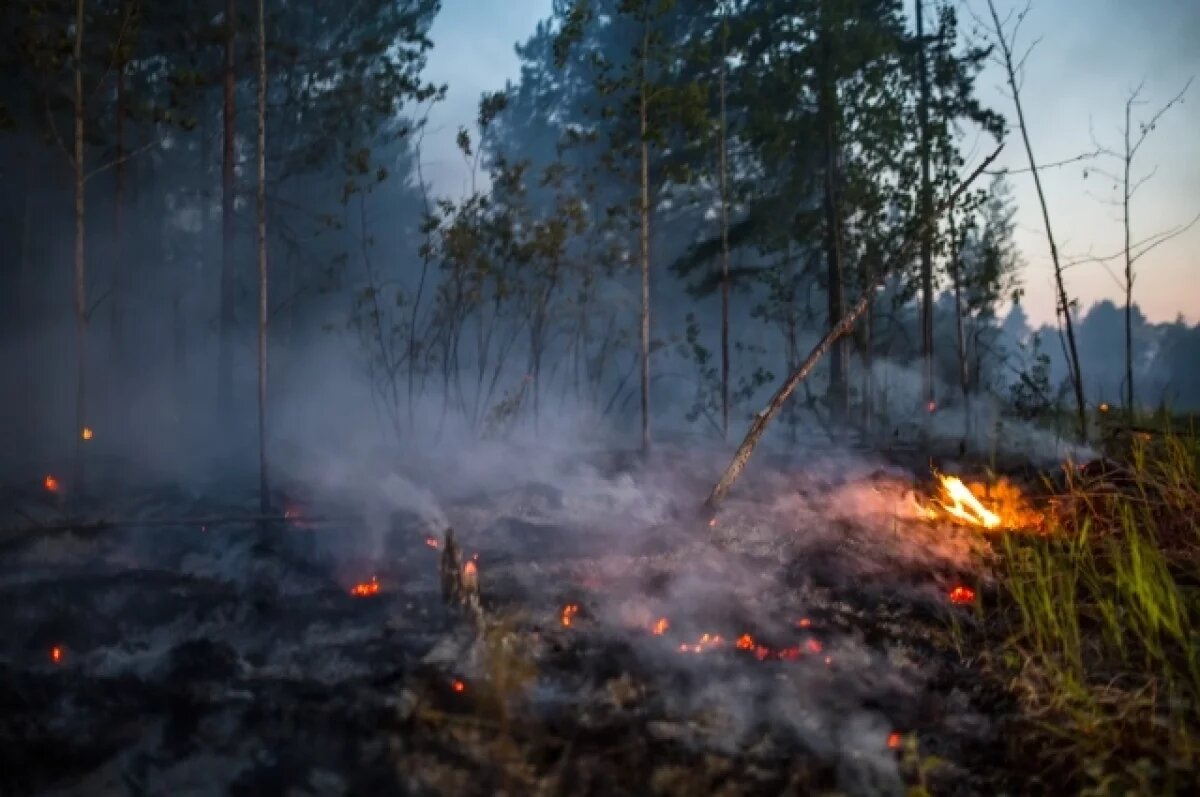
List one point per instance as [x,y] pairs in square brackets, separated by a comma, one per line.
[1090,55]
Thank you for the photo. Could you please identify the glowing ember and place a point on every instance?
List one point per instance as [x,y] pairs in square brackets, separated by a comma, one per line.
[86,434]
[893,740]
[50,483]
[459,686]
[712,524]
[814,646]
[931,406]
[56,654]
[745,642]
[366,589]
[1103,408]
[431,542]
[706,642]
[660,626]
[961,595]
[568,614]
[804,622]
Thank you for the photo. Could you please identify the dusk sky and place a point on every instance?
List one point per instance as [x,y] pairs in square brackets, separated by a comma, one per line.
[1091,54]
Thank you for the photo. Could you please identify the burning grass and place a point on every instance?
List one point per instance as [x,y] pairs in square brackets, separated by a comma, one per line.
[1096,626]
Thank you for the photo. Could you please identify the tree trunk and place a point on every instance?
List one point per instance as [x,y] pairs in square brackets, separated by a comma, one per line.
[81,309]
[1064,303]
[960,332]
[644,242]
[1128,278]
[228,286]
[117,299]
[725,287]
[264,495]
[926,209]
[827,101]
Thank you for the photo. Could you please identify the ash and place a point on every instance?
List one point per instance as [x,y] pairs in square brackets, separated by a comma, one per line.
[799,644]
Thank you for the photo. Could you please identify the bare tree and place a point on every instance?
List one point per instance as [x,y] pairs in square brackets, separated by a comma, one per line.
[264,495]
[724,178]
[926,204]
[644,230]
[1013,69]
[1133,251]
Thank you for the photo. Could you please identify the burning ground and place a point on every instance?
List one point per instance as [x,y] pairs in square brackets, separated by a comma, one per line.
[797,643]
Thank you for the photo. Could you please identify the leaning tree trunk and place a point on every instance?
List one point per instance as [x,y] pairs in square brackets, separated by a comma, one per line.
[81,309]
[264,495]
[839,330]
[228,286]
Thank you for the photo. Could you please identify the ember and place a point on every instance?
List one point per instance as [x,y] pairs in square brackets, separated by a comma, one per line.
[431,542]
[459,686]
[50,483]
[706,642]
[56,654]
[893,740]
[961,595]
[660,626]
[568,614]
[366,589]
[86,434]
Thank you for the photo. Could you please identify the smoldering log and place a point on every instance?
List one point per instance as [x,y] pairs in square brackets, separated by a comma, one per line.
[842,327]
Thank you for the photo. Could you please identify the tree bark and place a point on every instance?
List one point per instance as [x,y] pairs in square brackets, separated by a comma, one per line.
[926,209]
[1125,196]
[839,330]
[228,286]
[81,309]
[264,494]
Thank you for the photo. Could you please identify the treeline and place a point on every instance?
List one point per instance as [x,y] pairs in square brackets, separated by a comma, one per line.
[671,202]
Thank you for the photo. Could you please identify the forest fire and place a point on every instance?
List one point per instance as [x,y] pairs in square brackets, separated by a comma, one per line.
[366,589]
[1006,508]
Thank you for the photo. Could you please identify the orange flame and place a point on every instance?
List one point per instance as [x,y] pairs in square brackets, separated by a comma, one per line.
[56,654]
[893,740]
[366,589]
[1007,509]
[50,483]
[459,686]
[961,595]
[86,434]
[568,614]
[745,642]
[660,626]
[804,622]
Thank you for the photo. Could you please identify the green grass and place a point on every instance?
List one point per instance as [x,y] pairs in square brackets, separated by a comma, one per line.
[1096,628]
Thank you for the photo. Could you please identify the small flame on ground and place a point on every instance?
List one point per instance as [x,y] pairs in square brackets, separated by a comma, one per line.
[469,569]
[366,589]
[893,740]
[86,434]
[459,686]
[660,626]
[431,542]
[804,622]
[931,406]
[50,483]
[961,595]
[965,505]
[814,645]
[56,654]
[1103,407]
[706,642]
[568,614]
[1009,509]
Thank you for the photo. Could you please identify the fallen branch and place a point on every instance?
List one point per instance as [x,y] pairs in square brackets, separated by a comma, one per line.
[765,416]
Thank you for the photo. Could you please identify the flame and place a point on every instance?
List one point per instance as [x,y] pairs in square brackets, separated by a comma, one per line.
[962,594]
[431,542]
[50,483]
[804,622]
[706,642]
[893,740]
[568,614]
[745,642]
[86,434]
[1007,507]
[366,589]
[458,686]
[712,524]
[660,626]
[931,406]
[1103,407]
[814,645]
[56,654]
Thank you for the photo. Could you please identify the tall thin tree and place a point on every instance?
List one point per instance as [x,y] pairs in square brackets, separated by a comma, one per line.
[723,135]
[228,153]
[264,496]
[926,209]
[81,308]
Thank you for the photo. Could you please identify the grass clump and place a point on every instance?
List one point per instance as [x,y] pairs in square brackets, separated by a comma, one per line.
[1097,629]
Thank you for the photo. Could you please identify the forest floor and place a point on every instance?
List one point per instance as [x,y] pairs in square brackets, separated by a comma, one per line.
[823,636]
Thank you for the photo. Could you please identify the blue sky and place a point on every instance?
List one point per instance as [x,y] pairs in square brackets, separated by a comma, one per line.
[1091,54]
